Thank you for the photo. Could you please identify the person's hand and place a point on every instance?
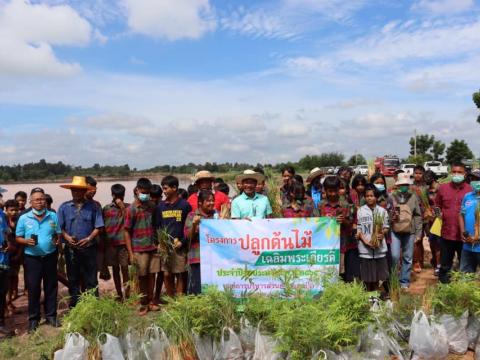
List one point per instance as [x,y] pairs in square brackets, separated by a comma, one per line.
[380,237]
[70,240]
[56,240]
[196,220]
[177,244]
[418,239]
[30,242]
[131,258]
[358,235]
[120,204]
[84,242]
[340,219]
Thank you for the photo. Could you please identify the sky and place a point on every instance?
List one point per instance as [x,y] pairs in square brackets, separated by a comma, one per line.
[150,82]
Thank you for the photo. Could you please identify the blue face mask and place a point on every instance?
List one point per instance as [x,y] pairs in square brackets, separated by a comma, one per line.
[38,212]
[457,179]
[475,185]
[143,197]
[380,187]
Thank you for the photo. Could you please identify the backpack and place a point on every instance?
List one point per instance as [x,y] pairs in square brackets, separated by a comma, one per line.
[403,225]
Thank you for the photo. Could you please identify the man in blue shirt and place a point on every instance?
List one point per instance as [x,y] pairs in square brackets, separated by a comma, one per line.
[249,204]
[469,219]
[39,232]
[80,221]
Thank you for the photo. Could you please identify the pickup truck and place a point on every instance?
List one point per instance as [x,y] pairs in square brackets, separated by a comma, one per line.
[361,169]
[408,168]
[437,167]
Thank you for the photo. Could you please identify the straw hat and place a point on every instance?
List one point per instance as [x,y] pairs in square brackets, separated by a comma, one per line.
[314,173]
[403,179]
[78,182]
[203,174]
[250,174]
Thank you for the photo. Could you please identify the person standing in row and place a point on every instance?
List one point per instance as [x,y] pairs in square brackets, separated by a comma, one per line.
[38,230]
[203,180]
[249,204]
[80,221]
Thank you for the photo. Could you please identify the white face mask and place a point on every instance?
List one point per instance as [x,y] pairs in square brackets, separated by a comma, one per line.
[38,212]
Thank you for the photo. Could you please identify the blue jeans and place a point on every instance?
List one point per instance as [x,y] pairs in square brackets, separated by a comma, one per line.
[403,243]
[470,261]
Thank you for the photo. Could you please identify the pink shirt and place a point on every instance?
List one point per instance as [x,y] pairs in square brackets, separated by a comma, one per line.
[449,200]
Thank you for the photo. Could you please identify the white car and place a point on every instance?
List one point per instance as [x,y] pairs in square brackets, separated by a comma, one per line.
[362,170]
[437,167]
[408,168]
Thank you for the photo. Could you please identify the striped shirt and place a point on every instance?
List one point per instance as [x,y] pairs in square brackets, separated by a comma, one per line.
[139,222]
[114,219]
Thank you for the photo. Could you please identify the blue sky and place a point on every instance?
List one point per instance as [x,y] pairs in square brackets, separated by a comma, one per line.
[149,82]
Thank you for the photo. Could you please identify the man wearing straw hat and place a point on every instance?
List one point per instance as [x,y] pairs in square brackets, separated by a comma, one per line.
[80,220]
[203,180]
[249,204]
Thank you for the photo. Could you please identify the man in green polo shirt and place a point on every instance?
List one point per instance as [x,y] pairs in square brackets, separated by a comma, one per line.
[249,204]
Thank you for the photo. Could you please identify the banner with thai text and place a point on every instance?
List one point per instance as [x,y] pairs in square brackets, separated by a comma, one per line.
[266,255]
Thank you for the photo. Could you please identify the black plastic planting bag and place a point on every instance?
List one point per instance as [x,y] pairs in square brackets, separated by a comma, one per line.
[456,332]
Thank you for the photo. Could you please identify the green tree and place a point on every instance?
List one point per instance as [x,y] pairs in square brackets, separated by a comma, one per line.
[424,143]
[476,100]
[418,160]
[457,151]
[438,148]
[357,159]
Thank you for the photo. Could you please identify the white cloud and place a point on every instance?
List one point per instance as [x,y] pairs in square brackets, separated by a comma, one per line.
[28,33]
[446,7]
[170,19]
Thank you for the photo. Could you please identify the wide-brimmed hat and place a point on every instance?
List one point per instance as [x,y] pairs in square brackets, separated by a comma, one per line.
[2,190]
[314,173]
[403,179]
[203,174]
[78,182]
[250,174]
[475,174]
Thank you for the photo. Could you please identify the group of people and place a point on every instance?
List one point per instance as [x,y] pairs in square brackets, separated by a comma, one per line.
[381,231]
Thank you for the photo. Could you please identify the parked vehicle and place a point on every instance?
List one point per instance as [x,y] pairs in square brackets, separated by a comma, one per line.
[408,168]
[387,165]
[437,167]
[361,169]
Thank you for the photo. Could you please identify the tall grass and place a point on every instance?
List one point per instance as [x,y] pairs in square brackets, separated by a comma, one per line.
[273,192]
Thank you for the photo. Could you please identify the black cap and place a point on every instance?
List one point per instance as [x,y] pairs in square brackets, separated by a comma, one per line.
[37,190]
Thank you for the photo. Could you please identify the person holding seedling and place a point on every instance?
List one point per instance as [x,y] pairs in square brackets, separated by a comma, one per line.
[449,201]
[140,242]
[372,226]
[469,221]
[406,227]
[420,188]
[344,212]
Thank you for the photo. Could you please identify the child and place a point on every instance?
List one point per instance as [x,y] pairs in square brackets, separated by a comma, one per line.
[140,243]
[170,216]
[344,212]
[300,206]
[21,199]
[357,193]
[15,253]
[372,246]
[115,250]
[156,193]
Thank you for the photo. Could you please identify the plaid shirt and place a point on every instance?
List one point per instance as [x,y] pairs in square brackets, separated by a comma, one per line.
[139,222]
[114,219]
[306,209]
[347,240]
[194,250]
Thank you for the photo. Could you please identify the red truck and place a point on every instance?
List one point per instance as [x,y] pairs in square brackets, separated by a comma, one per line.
[387,164]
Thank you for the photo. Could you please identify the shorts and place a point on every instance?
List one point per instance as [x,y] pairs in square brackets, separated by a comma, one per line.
[117,256]
[148,262]
[177,263]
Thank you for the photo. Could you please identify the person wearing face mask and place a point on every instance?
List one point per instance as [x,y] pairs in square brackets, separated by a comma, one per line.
[449,200]
[300,206]
[469,220]
[39,230]
[140,242]
[80,220]
[406,228]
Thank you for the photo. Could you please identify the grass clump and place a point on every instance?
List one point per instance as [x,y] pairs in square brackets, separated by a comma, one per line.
[462,293]
[93,316]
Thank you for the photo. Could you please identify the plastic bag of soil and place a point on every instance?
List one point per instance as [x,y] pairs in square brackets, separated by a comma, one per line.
[110,347]
[428,340]
[231,347]
[473,331]
[155,343]
[76,347]
[247,337]
[456,332]
[265,347]
[205,347]
[477,350]
[132,345]
[377,344]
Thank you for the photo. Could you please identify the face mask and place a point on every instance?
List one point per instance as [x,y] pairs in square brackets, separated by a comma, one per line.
[457,179]
[475,185]
[38,212]
[403,188]
[380,187]
[143,197]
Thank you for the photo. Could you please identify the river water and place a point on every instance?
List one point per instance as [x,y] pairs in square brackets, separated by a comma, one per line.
[103,195]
